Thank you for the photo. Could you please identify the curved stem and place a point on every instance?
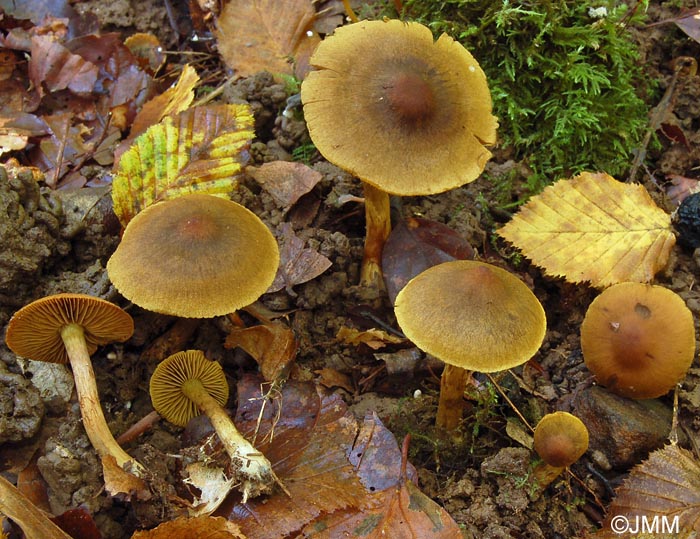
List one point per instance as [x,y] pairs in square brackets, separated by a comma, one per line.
[89,400]
[253,467]
[378,228]
[452,385]
[16,506]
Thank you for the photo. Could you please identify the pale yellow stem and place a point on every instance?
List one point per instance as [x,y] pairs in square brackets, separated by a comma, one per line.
[378,228]
[252,467]
[89,400]
[32,520]
[451,404]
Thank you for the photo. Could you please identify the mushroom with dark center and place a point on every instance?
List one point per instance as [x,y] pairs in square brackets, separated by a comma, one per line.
[194,256]
[473,316]
[560,440]
[638,340]
[406,114]
[187,383]
[68,328]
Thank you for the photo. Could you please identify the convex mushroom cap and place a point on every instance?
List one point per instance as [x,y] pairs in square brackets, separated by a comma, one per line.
[638,339]
[402,112]
[472,315]
[560,439]
[194,256]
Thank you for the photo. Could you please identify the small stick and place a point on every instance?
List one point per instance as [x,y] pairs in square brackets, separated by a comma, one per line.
[138,428]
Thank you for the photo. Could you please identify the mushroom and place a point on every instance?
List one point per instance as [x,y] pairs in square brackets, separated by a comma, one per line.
[34,523]
[560,440]
[194,256]
[638,340]
[68,328]
[187,383]
[405,114]
[474,317]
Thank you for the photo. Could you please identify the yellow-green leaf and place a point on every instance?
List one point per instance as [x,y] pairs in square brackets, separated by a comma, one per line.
[202,150]
[593,228]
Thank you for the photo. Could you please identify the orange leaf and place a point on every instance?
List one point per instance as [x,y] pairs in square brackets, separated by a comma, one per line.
[593,228]
[272,345]
[193,528]
[257,35]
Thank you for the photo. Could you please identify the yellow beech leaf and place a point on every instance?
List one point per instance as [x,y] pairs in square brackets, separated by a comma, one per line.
[201,150]
[593,228]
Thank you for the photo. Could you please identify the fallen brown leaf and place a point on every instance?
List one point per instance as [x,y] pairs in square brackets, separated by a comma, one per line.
[120,482]
[262,35]
[374,338]
[327,460]
[193,528]
[286,181]
[297,263]
[272,345]
[53,67]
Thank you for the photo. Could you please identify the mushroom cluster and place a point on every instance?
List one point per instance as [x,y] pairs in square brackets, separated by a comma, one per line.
[406,114]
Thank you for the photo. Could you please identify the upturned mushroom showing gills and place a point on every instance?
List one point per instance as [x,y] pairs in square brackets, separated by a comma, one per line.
[406,114]
[187,383]
[68,328]
[474,317]
[194,256]
[560,440]
[638,340]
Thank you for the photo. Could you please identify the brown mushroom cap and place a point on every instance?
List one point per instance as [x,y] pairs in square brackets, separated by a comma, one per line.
[399,110]
[195,256]
[638,339]
[472,315]
[560,439]
[167,380]
[34,332]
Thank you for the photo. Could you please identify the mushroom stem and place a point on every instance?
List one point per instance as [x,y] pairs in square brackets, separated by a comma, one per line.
[452,385]
[378,227]
[89,400]
[22,511]
[253,467]
[545,473]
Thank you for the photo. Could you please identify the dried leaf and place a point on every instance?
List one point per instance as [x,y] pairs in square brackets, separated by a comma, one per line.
[681,187]
[118,481]
[325,459]
[297,263]
[262,35]
[53,67]
[667,486]
[286,181]
[403,512]
[331,378]
[415,245]
[78,523]
[174,100]
[213,485]
[193,528]
[198,150]
[593,228]
[690,23]
[374,338]
[272,345]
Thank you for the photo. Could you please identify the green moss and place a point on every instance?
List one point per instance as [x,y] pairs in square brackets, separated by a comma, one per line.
[566,85]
